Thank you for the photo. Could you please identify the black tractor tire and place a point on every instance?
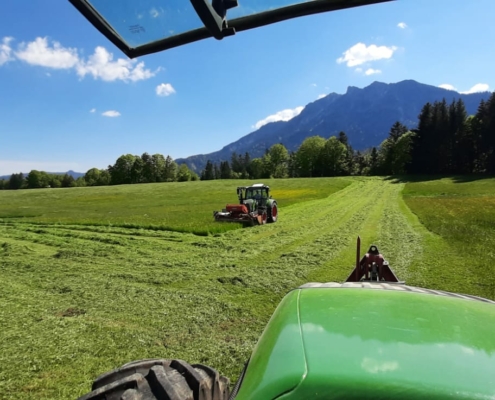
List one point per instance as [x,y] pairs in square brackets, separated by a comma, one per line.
[157,379]
[273,212]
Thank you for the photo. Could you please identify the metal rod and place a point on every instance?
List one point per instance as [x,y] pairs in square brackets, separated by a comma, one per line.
[358,258]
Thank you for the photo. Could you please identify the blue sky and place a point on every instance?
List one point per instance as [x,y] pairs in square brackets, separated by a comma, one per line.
[69,99]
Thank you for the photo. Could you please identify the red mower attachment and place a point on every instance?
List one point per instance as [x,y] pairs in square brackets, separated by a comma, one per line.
[237,208]
[372,267]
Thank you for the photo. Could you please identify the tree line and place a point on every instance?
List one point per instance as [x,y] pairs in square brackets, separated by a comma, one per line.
[127,169]
[446,141]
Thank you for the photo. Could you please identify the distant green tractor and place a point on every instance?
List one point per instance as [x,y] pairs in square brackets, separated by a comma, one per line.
[256,206]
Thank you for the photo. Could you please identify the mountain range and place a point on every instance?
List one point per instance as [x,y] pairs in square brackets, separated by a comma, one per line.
[365,115]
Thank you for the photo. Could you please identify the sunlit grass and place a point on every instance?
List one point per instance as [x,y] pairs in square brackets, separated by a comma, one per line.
[463,215]
[182,207]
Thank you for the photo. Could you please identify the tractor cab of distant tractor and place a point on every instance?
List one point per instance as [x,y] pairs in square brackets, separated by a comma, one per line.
[254,196]
[257,193]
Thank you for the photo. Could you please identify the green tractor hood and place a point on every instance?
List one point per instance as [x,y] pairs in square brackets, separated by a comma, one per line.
[360,341]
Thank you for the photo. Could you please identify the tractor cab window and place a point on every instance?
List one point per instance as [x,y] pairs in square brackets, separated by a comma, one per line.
[139,27]
[256,193]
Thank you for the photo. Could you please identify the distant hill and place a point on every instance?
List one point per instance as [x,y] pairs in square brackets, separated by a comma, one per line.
[74,174]
[365,115]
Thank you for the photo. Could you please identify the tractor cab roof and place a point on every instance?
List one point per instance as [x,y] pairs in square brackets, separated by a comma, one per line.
[139,27]
[254,187]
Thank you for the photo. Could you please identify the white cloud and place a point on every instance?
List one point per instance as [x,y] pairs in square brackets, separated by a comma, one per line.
[101,65]
[479,87]
[314,84]
[154,13]
[360,54]
[284,115]
[447,86]
[93,110]
[39,52]
[111,114]
[164,89]
[402,25]
[358,69]
[371,71]
[8,167]
[321,96]
[6,50]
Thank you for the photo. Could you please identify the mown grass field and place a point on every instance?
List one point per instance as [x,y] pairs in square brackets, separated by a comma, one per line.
[176,206]
[95,277]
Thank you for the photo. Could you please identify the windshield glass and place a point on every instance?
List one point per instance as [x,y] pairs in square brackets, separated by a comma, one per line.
[139,22]
[256,193]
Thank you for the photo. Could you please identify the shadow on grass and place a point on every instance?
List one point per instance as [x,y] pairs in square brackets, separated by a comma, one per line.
[427,178]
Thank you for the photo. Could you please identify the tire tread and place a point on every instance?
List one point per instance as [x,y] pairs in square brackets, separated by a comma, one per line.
[157,379]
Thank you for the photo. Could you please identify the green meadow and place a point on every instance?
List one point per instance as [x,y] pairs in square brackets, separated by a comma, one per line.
[175,206]
[95,277]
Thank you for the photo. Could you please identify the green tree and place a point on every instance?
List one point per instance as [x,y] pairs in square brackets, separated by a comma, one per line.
[488,132]
[397,131]
[333,157]
[216,171]
[68,181]
[343,138]
[120,172]
[256,168]
[148,172]
[37,179]
[208,173]
[16,181]
[92,177]
[278,164]
[361,164]
[247,165]
[424,147]
[55,181]
[464,146]
[374,166]
[236,162]
[158,168]
[80,182]
[137,170]
[105,178]
[170,170]
[309,156]
[396,153]
[225,171]
[183,173]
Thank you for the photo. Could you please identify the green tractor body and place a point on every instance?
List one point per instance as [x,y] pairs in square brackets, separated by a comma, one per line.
[374,340]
